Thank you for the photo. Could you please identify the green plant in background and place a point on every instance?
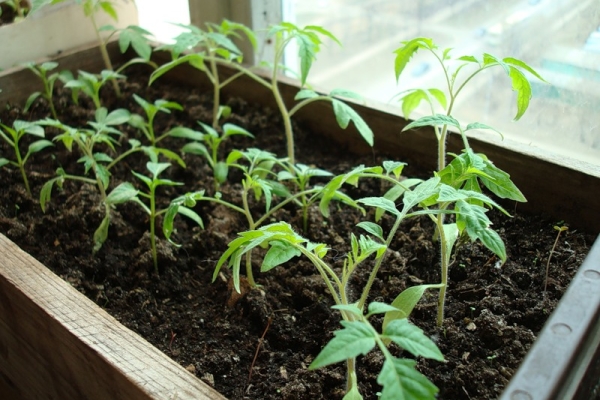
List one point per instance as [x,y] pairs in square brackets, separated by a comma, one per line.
[146,126]
[134,36]
[208,47]
[17,7]
[219,50]
[127,192]
[309,44]
[300,175]
[468,171]
[13,135]
[90,84]
[48,81]
[447,99]
[207,145]
[262,180]
[102,132]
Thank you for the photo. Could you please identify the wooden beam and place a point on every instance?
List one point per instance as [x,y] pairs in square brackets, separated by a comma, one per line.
[57,344]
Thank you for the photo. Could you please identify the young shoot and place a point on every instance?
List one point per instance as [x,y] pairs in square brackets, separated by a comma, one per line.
[358,336]
[309,42]
[13,135]
[207,145]
[559,229]
[90,84]
[300,175]
[467,172]
[204,49]
[446,97]
[48,81]
[147,200]
[102,132]
[91,8]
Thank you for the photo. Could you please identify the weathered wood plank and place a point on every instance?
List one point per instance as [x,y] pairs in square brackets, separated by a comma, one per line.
[57,344]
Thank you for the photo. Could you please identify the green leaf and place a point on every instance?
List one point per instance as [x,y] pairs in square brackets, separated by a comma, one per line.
[479,125]
[401,381]
[279,253]
[109,9]
[349,94]
[122,193]
[221,170]
[353,394]
[344,114]
[382,203]
[3,162]
[32,97]
[351,308]
[306,94]
[39,145]
[101,233]
[421,192]
[394,167]
[524,65]
[412,339]
[372,228]
[473,219]
[354,339]
[408,49]
[117,117]
[156,168]
[232,129]
[377,307]
[521,85]
[500,184]
[433,120]
[405,302]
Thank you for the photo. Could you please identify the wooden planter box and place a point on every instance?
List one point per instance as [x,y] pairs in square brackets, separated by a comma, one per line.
[55,343]
[54,29]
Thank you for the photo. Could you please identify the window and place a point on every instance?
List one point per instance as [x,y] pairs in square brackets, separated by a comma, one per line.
[559,38]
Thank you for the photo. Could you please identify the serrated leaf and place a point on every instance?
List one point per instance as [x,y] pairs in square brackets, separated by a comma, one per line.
[280,252]
[122,193]
[344,114]
[479,125]
[433,120]
[500,184]
[354,339]
[408,49]
[412,339]
[521,85]
[524,65]
[381,202]
[372,228]
[401,381]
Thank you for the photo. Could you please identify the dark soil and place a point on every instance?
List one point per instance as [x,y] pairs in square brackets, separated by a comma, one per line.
[493,312]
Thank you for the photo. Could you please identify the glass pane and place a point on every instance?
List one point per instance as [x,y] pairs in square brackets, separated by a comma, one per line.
[558,38]
[159,18]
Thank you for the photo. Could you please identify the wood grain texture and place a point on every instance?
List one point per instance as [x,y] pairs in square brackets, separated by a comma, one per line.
[57,344]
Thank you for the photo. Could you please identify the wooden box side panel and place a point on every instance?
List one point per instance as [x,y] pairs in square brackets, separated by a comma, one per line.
[57,344]
[54,29]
